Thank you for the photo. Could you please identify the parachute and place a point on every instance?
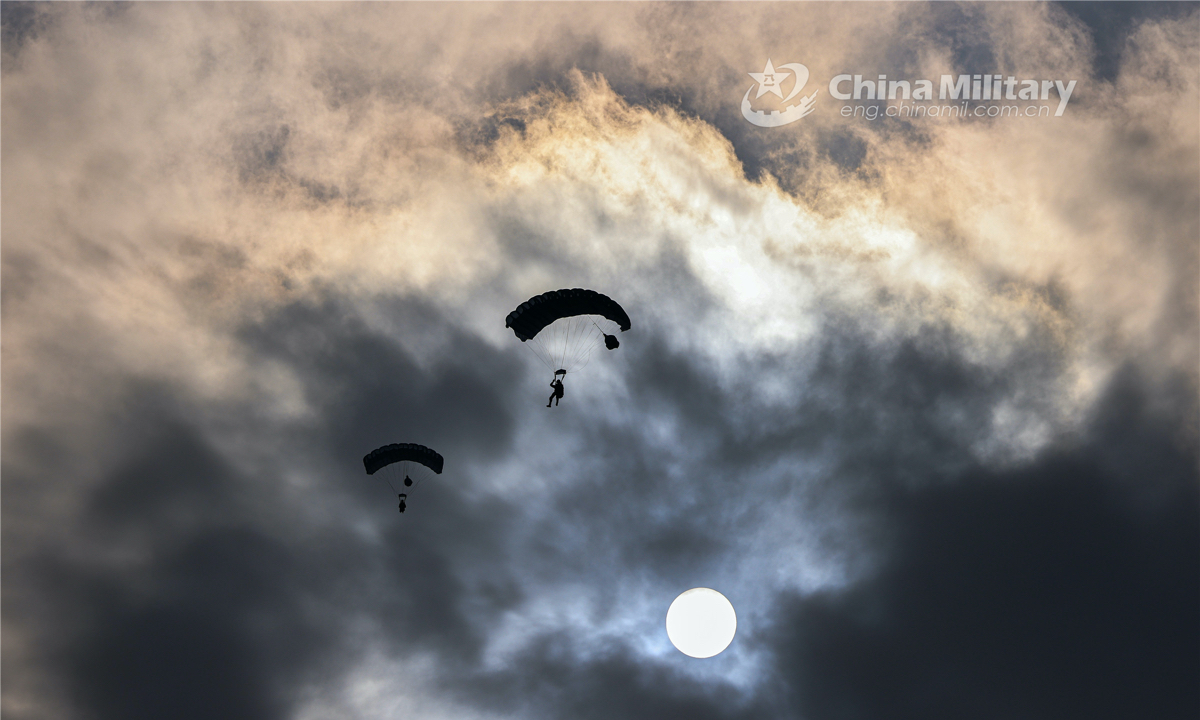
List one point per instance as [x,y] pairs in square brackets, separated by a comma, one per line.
[403,464]
[565,326]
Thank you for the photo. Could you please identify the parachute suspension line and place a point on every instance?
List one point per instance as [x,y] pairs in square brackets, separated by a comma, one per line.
[395,473]
[567,344]
[420,478]
[387,478]
[569,351]
[406,469]
[560,341]
[584,342]
[581,345]
[575,345]
[575,341]
[544,356]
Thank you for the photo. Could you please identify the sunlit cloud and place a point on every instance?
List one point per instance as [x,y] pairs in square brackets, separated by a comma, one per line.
[244,244]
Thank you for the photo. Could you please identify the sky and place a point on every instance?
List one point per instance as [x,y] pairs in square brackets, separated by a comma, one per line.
[918,394]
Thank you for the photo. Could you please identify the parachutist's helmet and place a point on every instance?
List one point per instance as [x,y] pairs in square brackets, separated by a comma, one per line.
[407,481]
[611,342]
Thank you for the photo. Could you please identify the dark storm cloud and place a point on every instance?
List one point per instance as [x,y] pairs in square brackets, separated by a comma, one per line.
[198,596]
[371,390]
[209,617]
[1064,589]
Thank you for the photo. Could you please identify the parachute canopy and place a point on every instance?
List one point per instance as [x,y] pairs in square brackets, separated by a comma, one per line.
[533,315]
[567,325]
[402,453]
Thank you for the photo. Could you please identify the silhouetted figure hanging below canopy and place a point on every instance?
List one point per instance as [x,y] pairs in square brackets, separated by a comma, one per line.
[563,327]
[557,384]
[398,462]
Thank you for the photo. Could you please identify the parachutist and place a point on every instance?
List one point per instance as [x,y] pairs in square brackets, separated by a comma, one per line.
[565,327]
[558,391]
[400,458]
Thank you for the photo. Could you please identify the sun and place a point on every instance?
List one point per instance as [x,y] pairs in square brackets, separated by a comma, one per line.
[701,623]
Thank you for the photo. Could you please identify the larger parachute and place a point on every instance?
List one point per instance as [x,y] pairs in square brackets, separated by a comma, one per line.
[565,326]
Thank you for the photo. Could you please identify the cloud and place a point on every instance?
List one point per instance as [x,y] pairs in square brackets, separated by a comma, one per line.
[1062,589]
[909,394]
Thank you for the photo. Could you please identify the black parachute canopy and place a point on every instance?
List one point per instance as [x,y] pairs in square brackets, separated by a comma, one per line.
[537,312]
[400,452]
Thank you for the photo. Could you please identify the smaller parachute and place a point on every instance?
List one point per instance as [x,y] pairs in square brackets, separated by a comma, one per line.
[400,453]
[408,464]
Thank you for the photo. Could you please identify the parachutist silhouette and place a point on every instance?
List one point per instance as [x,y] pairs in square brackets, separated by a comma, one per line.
[565,327]
[396,458]
[558,391]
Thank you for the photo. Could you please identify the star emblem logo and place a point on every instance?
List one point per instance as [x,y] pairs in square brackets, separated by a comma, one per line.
[768,81]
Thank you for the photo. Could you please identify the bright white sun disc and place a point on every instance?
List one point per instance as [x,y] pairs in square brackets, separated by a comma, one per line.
[701,622]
